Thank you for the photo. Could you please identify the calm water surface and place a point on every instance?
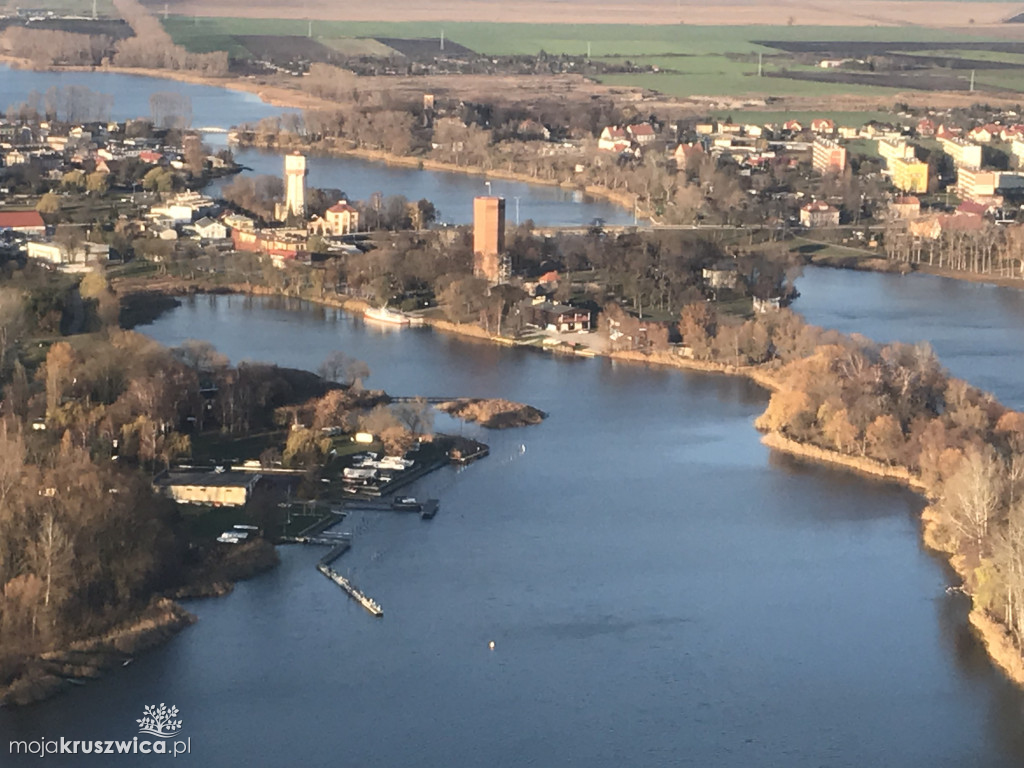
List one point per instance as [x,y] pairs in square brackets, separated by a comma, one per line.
[661,591]
[451,193]
[977,330]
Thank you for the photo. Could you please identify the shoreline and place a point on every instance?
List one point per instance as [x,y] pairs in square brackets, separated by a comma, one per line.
[50,672]
[47,673]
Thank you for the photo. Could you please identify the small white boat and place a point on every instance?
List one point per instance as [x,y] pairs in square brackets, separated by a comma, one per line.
[385,315]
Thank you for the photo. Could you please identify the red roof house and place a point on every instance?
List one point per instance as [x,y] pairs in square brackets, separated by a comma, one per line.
[28,222]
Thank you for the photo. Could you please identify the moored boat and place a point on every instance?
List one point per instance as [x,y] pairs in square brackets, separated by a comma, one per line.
[385,315]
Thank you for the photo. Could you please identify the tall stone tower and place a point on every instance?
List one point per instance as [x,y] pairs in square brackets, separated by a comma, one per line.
[295,185]
[488,237]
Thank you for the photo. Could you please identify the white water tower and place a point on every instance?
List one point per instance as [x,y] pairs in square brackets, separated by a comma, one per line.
[295,185]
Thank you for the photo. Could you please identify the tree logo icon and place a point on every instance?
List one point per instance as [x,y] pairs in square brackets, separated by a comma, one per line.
[160,721]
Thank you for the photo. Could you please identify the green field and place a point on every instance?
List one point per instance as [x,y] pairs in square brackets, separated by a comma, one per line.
[692,60]
[506,39]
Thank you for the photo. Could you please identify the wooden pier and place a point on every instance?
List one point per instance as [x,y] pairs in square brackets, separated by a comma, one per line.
[350,589]
[425,509]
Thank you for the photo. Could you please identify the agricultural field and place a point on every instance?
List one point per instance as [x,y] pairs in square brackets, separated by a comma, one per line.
[682,60]
[863,13]
[104,8]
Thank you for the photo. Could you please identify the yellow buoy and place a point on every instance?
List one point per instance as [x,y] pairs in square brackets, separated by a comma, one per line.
[492,645]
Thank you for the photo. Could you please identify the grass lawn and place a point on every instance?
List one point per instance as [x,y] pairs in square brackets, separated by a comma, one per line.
[866,147]
[211,522]
[216,446]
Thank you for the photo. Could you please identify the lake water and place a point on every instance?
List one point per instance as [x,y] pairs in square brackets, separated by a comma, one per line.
[660,588]
[451,193]
[977,330]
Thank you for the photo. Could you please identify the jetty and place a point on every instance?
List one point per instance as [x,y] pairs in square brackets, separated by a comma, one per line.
[350,588]
[342,543]
[426,509]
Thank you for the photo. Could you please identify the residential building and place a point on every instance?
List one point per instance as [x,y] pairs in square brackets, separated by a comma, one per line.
[684,152]
[985,133]
[965,154]
[341,218]
[531,129]
[556,317]
[210,229]
[613,139]
[642,134]
[889,150]
[488,237]
[819,214]
[76,259]
[909,175]
[848,132]
[905,207]
[770,304]
[1017,148]
[283,244]
[973,183]
[827,156]
[822,125]
[26,222]
[238,221]
[721,275]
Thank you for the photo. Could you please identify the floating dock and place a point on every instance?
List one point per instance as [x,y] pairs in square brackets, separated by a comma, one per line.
[426,509]
[342,543]
[351,589]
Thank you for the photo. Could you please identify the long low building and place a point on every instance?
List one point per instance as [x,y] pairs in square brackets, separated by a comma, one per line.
[212,488]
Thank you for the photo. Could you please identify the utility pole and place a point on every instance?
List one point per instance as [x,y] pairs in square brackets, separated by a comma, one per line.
[442,39]
[517,210]
[94,10]
[165,11]
[588,49]
[309,32]
[972,81]
[760,64]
